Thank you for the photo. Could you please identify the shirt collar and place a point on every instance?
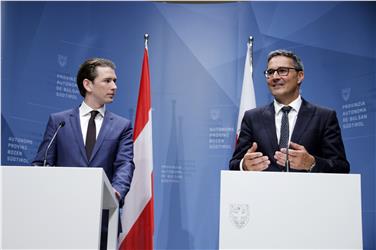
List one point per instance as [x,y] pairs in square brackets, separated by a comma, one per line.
[86,109]
[295,105]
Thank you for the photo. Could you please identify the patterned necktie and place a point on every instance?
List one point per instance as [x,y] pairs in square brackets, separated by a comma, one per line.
[284,138]
[91,134]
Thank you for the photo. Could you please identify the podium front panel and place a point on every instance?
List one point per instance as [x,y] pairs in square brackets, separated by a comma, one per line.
[271,210]
[51,208]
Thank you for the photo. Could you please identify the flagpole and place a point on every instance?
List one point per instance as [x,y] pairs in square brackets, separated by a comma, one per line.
[146,39]
[250,42]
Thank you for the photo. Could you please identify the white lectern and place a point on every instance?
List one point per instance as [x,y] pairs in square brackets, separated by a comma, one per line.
[269,210]
[56,208]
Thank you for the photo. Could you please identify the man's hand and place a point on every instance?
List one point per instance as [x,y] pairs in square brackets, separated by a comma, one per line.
[299,158]
[255,161]
[117,194]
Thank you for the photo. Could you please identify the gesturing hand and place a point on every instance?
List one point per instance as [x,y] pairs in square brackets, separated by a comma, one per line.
[255,161]
[298,156]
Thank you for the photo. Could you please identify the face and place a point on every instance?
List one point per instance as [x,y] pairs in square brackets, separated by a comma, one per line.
[103,89]
[285,89]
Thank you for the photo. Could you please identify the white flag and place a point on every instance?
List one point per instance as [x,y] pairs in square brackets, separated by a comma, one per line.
[247,99]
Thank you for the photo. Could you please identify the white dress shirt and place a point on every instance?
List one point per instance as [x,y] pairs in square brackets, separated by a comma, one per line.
[84,111]
[293,115]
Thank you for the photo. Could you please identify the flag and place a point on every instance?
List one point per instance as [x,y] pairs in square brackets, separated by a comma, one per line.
[138,212]
[247,99]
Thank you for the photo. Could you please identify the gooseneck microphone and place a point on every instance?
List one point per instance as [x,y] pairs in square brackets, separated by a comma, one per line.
[287,162]
[61,124]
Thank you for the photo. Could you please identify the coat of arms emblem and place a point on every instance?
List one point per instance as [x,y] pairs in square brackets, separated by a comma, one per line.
[346,94]
[239,215]
[62,60]
[214,114]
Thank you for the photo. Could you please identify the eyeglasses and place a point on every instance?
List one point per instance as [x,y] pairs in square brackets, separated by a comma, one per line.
[281,71]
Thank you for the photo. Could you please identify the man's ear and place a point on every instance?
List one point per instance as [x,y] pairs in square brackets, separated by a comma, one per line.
[87,85]
[300,77]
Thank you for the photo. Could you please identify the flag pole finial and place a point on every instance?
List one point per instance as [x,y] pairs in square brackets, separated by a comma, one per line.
[146,39]
[250,39]
[250,47]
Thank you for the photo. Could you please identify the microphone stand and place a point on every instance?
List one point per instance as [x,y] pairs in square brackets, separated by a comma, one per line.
[52,140]
[287,162]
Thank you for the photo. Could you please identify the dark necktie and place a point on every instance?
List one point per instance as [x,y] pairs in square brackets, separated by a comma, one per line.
[91,134]
[284,138]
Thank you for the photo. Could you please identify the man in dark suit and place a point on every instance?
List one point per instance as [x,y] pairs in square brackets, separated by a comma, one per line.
[92,136]
[311,133]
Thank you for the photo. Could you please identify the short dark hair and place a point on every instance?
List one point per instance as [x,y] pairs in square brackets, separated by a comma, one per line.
[298,64]
[88,71]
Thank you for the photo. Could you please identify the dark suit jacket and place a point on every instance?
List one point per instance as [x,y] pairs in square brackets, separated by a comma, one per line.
[316,128]
[113,150]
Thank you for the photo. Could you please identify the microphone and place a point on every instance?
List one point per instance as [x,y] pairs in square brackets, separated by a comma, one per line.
[61,124]
[287,162]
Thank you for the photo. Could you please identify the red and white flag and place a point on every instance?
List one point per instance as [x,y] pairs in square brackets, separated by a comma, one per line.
[247,99]
[138,212]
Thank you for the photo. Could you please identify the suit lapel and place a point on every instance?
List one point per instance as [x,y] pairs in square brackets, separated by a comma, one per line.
[105,129]
[269,125]
[76,128]
[305,115]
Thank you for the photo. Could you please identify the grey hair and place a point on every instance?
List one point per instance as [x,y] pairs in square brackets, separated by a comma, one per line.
[298,64]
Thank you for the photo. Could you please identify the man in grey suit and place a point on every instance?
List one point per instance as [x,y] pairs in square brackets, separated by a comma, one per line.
[311,133]
[90,135]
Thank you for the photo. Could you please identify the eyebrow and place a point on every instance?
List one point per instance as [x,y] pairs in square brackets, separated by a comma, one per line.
[281,67]
[110,78]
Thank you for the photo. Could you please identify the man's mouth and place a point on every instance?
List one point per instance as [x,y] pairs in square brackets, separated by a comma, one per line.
[278,84]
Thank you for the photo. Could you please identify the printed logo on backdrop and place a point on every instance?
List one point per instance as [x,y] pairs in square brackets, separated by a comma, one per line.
[346,94]
[62,60]
[66,86]
[354,114]
[176,173]
[16,150]
[220,136]
[239,215]
[176,168]
[215,114]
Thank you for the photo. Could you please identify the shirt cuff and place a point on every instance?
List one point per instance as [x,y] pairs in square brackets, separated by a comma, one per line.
[241,165]
[312,166]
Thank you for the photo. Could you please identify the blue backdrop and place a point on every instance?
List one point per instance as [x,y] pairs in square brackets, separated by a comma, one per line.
[196,56]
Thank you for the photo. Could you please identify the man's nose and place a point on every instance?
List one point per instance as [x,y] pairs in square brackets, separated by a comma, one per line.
[114,86]
[275,74]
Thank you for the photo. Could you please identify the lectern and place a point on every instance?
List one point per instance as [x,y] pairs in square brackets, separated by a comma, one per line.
[279,210]
[56,208]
